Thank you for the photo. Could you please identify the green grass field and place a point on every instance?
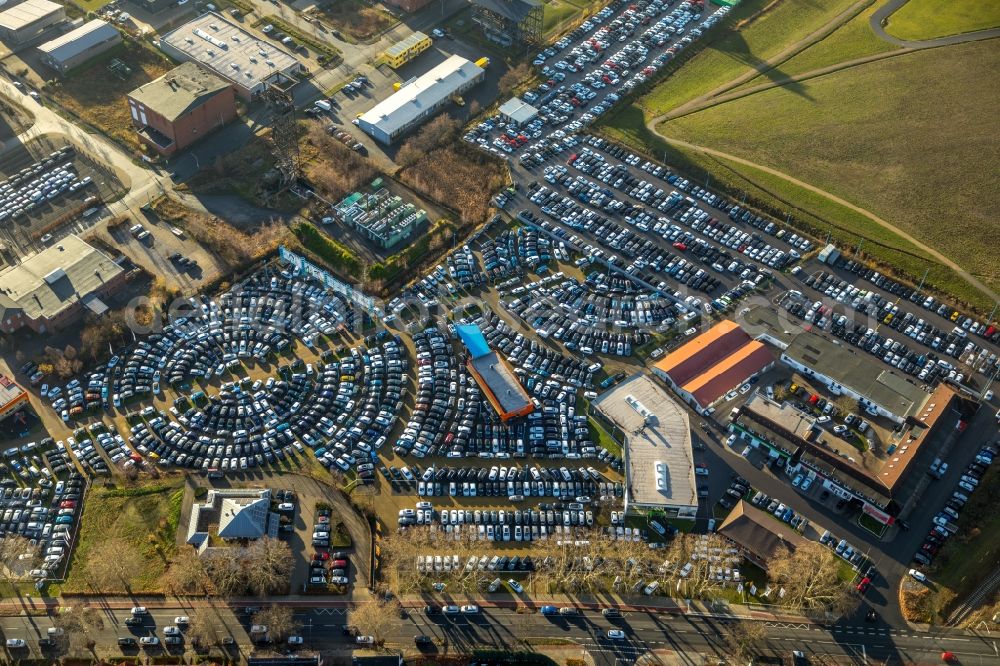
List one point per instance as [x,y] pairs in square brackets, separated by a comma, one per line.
[854,39]
[811,212]
[729,53]
[558,16]
[926,19]
[903,138]
[145,520]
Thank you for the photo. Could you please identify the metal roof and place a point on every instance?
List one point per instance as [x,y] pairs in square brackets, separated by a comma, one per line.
[68,46]
[473,339]
[518,110]
[26,13]
[405,44]
[406,104]
[178,91]
[513,10]
[229,50]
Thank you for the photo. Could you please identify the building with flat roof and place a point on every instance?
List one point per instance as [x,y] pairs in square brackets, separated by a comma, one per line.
[80,45]
[249,63]
[758,535]
[704,369]
[655,434]
[782,431]
[517,111]
[419,99]
[27,20]
[848,371]
[181,107]
[775,327]
[12,397]
[48,290]
[494,375]
[407,49]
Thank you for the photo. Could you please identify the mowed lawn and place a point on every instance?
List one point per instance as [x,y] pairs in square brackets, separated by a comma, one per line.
[97,95]
[910,138]
[854,39]
[926,19]
[144,517]
[728,52]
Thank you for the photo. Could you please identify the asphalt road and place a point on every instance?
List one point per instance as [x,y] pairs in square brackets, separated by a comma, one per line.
[322,629]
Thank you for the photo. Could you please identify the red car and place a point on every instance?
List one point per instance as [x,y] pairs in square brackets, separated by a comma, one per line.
[864,584]
[339,564]
[949,657]
[321,556]
[67,504]
[680,246]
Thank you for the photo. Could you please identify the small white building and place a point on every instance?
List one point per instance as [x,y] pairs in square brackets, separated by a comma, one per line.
[80,45]
[518,112]
[418,100]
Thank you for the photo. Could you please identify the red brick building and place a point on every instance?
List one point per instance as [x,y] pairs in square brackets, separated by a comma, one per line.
[179,108]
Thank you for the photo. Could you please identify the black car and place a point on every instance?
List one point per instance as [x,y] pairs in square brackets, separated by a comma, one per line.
[127,641]
[133,622]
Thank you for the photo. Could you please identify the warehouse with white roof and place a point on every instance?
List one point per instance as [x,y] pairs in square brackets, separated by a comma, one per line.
[80,45]
[250,64]
[418,100]
[24,22]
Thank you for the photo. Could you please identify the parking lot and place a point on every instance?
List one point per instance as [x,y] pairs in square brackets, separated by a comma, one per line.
[48,190]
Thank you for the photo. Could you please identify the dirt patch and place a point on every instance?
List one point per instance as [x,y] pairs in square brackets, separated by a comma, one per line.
[355,19]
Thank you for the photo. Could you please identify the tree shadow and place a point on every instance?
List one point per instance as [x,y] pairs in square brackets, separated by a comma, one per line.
[735,46]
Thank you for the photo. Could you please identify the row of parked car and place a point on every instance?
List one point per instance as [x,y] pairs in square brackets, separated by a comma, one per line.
[944,523]
[40,183]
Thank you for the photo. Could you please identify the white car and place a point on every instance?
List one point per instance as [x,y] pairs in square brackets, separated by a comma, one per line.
[918,575]
[182,620]
[365,640]
[470,609]
[171,631]
[295,640]
[514,585]
[16,643]
[616,634]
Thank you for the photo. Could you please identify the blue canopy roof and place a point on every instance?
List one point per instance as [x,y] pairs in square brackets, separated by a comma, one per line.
[473,339]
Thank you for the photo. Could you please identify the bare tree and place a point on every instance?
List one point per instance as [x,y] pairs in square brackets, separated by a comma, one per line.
[203,631]
[268,564]
[745,639]
[279,620]
[224,568]
[111,563]
[375,617]
[811,579]
[186,574]
[17,558]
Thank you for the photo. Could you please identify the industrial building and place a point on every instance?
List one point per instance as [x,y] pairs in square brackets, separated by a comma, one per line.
[181,107]
[418,100]
[848,371]
[517,112]
[48,291]
[782,431]
[759,537]
[407,49]
[12,397]
[250,64]
[509,23]
[80,45]
[655,434]
[26,21]
[381,217]
[494,375]
[704,369]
